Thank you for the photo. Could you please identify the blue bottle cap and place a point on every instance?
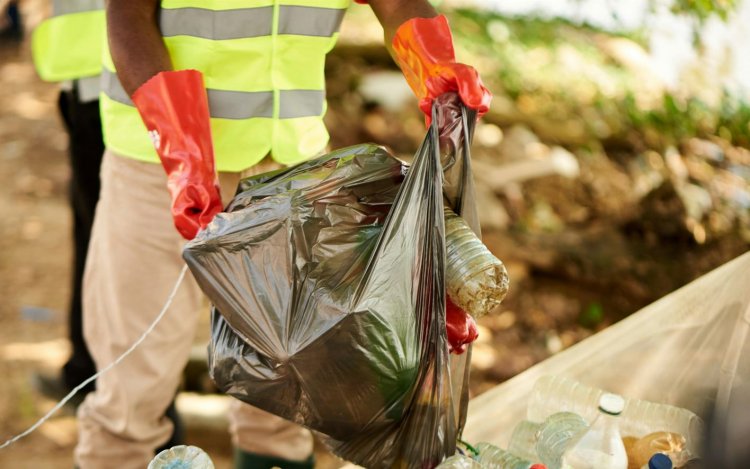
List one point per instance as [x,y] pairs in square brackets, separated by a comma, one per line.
[659,461]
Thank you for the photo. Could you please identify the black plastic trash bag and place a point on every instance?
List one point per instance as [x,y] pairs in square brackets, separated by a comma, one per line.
[328,277]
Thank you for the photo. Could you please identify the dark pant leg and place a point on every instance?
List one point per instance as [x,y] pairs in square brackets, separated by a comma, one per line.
[83,125]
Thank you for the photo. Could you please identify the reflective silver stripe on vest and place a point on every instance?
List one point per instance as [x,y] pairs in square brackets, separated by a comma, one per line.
[225,104]
[240,104]
[300,103]
[249,22]
[310,21]
[113,89]
[88,88]
[216,24]
[65,7]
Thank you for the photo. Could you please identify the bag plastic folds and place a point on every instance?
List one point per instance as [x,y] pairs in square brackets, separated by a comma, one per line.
[690,349]
[327,280]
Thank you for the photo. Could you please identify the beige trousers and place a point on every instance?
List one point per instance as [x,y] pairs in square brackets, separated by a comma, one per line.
[133,262]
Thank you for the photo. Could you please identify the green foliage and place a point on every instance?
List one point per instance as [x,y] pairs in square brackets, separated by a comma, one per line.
[680,118]
[703,9]
[734,121]
[592,316]
[560,73]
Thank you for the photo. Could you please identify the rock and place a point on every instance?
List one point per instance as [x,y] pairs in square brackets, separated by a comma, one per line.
[699,169]
[675,164]
[538,160]
[387,88]
[492,214]
[564,162]
[515,143]
[554,342]
[704,149]
[483,356]
[646,172]
[696,199]
[488,135]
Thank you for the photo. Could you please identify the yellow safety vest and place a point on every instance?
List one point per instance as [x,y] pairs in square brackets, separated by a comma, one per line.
[263,66]
[68,46]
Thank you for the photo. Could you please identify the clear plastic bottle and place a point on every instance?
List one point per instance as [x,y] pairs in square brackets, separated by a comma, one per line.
[492,457]
[553,394]
[181,457]
[523,440]
[555,434]
[459,461]
[599,447]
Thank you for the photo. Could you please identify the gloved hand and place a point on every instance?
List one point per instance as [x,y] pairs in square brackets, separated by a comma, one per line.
[423,48]
[460,327]
[174,107]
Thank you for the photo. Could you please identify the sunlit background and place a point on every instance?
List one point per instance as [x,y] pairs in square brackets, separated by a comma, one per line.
[613,167]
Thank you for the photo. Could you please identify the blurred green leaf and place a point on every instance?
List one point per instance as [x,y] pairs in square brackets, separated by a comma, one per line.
[592,316]
[704,9]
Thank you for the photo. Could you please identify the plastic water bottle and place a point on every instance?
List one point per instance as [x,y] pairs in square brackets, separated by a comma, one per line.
[659,461]
[492,457]
[459,461]
[555,434]
[553,394]
[523,440]
[181,457]
[600,447]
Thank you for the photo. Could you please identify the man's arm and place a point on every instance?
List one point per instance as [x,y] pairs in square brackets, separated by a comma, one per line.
[136,45]
[174,109]
[394,13]
[421,43]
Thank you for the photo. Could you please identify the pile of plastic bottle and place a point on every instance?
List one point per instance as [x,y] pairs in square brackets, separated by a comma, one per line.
[573,426]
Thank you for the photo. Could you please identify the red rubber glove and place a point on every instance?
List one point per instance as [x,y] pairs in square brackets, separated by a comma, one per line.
[174,107]
[423,48]
[460,327]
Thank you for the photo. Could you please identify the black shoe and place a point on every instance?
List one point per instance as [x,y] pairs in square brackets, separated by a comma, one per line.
[53,387]
[245,460]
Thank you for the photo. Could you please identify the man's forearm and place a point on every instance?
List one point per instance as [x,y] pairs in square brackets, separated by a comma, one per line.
[393,13]
[136,45]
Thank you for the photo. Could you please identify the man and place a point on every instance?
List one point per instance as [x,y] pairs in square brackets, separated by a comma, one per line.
[242,80]
[67,48]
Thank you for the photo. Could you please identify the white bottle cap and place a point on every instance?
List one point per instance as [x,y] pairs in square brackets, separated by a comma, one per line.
[611,404]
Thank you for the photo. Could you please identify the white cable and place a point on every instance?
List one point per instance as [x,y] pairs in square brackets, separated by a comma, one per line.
[105,369]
